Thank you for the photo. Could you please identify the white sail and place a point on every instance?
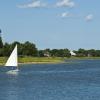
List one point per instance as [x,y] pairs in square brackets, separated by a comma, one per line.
[12,60]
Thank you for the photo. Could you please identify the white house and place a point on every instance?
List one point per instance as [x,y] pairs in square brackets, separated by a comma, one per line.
[72,53]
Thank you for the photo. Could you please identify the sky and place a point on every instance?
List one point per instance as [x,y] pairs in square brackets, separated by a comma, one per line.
[71,24]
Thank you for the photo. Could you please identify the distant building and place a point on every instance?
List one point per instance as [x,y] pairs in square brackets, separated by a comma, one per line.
[46,54]
[72,53]
[89,55]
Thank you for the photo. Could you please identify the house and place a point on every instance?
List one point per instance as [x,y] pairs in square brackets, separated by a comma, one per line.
[72,53]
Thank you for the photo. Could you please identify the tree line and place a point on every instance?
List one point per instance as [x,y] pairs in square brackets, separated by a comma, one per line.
[30,49]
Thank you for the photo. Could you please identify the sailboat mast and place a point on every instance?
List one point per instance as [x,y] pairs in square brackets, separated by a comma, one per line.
[17,56]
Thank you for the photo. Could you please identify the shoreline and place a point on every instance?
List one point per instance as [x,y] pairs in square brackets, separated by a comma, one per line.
[44,60]
[25,63]
[40,63]
[34,60]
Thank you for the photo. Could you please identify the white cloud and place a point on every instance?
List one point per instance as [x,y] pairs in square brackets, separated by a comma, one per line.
[65,3]
[66,14]
[34,4]
[89,17]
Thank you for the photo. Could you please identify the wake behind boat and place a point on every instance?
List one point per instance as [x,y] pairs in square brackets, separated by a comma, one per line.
[13,62]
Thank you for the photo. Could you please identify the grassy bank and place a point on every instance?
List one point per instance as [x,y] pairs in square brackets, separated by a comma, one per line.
[40,60]
[83,58]
[35,60]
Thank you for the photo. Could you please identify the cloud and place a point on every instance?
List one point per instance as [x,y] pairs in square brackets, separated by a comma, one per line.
[66,14]
[65,3]
[89,17]
[34,4]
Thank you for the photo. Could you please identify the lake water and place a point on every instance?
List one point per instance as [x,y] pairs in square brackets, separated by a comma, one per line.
[78,80]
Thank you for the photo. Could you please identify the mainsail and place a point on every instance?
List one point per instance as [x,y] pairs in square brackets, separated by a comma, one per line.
[12,60]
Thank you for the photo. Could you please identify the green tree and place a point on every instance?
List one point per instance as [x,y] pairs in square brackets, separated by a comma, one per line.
[1,43]
[19,45]
[82,52]
[54,52]
[66,53]
[97,53]
[41,53]
[92,52]
[29,49]
[1,52]
[6,49]
[60,53]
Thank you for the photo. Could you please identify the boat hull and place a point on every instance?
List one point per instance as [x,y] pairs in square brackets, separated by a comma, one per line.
[14,72]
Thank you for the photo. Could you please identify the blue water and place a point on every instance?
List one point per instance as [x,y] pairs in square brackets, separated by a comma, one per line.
[78,80]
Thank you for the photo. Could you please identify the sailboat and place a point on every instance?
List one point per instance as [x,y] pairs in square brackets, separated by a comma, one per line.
[13,62]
